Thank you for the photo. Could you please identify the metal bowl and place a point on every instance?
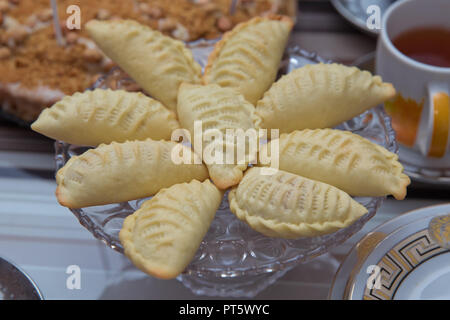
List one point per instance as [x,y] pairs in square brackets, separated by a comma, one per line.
[16,284]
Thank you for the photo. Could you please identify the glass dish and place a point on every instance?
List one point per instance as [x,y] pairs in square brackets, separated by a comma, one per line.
[233,260]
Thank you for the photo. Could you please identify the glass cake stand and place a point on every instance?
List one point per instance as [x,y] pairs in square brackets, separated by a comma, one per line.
[234,260]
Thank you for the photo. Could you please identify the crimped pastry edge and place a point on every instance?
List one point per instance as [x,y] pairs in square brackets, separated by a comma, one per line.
[126,235]
[64,197]
[195,67]
[389,90]
[398,191]
[376,79]
[241,26]
[272,228]
[238,169]
[401,190]
[36,126]
[238,173]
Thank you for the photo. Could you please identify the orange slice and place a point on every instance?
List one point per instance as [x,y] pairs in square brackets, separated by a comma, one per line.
[405,114]
[441,125]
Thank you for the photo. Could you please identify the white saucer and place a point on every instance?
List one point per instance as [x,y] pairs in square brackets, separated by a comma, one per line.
[409,255]
[429,280]
[425,169]
[355,11]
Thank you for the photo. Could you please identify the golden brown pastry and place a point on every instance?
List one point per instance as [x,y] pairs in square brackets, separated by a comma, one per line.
[103,116]
[320,96]
[162,237]
[289,206]
[159,64]
[121,172]
[344,160]
[248,57]
[218,109]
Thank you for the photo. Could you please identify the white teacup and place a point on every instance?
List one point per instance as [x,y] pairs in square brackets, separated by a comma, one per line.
[425,84]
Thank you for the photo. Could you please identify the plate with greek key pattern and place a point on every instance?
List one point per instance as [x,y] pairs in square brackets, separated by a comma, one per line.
[406,258]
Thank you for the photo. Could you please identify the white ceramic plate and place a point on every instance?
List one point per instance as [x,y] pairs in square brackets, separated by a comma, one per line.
[409,255]
[355,12]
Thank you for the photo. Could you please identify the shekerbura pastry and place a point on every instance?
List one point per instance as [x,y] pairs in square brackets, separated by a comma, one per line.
[308,195]
[344,160]
[162,237]
[290,206]
[220,109]
[103,116]
[320,96]
[120,172]
[247,58]
[159,64]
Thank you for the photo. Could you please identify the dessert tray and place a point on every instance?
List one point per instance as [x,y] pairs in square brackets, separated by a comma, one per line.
[233,259]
